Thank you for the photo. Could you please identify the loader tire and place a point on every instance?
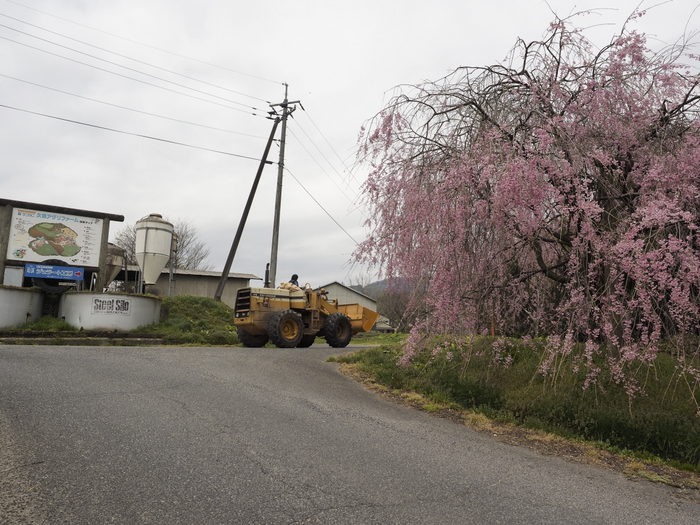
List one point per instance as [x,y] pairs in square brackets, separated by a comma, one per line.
[252,340]
[307,341]
[285,329]
[337,330]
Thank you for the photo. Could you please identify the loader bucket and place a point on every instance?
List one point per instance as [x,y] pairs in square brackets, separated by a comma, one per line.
[362,319]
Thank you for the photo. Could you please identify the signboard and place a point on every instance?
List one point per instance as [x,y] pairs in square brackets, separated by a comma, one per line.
[112,305]
[45,271]
[36,236]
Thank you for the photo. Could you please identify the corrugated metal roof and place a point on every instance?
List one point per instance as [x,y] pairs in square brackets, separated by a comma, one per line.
[201,273]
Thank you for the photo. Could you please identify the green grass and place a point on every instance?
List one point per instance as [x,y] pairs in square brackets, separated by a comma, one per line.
[377,338]
[662,422]
[195,320]
[44,324]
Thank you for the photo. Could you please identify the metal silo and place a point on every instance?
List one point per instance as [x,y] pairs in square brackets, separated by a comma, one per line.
[115,262]
[153,243]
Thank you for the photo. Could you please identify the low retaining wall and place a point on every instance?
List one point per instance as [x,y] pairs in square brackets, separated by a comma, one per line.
[19,305]
[108,311]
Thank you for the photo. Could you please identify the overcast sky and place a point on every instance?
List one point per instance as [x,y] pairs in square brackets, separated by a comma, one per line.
[203,73]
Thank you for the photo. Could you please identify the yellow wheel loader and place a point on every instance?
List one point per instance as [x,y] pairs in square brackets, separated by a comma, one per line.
[295,317]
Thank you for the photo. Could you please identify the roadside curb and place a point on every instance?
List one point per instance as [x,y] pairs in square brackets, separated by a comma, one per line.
[68,339]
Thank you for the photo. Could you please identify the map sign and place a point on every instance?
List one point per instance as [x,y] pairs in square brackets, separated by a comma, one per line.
[37,236]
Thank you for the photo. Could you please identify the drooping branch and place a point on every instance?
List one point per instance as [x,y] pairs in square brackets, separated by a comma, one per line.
[546,193]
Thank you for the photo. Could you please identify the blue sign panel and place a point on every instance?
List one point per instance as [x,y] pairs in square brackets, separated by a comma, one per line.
[63,273]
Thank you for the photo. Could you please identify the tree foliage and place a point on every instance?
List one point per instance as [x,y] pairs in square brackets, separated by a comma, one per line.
[555,194]
[191,253]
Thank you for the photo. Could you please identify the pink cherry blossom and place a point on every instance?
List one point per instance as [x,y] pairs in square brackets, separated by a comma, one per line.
[556,194]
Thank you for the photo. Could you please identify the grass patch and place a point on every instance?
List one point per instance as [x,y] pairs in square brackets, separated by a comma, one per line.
[43,324]
[500,382]
[195,320]
[378,338]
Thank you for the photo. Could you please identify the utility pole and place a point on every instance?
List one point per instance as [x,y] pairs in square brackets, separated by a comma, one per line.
[239,232]
[287,108]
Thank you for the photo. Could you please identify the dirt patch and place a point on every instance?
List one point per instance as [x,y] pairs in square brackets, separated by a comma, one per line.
[687,483]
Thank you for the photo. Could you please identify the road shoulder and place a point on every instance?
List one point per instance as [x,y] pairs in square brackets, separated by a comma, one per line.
[686,485]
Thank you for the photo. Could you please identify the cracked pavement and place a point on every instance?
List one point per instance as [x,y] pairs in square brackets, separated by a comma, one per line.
[236,435]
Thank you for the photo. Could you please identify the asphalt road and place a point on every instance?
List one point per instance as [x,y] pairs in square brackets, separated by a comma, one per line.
[232,435]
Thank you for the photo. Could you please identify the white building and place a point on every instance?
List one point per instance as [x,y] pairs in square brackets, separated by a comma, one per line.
[199,283]
[346,295]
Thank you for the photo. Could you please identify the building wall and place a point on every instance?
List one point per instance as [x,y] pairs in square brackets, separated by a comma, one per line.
[346,295]
[205,286]
[198,285]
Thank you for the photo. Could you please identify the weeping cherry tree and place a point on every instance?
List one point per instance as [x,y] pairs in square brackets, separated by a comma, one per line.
[554,195]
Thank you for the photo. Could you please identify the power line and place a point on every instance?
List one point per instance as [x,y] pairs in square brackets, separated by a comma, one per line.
[129,78]
[330,145]
[126,67]
[321,206]
[321,152]
[320,167]
[172,119]
[133,59]
[149,137]
[210,64]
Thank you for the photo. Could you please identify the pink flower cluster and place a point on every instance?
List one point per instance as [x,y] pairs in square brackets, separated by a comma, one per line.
[556,195]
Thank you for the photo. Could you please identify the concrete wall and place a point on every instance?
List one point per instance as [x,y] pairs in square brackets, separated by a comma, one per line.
[108,311]
[19,305]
